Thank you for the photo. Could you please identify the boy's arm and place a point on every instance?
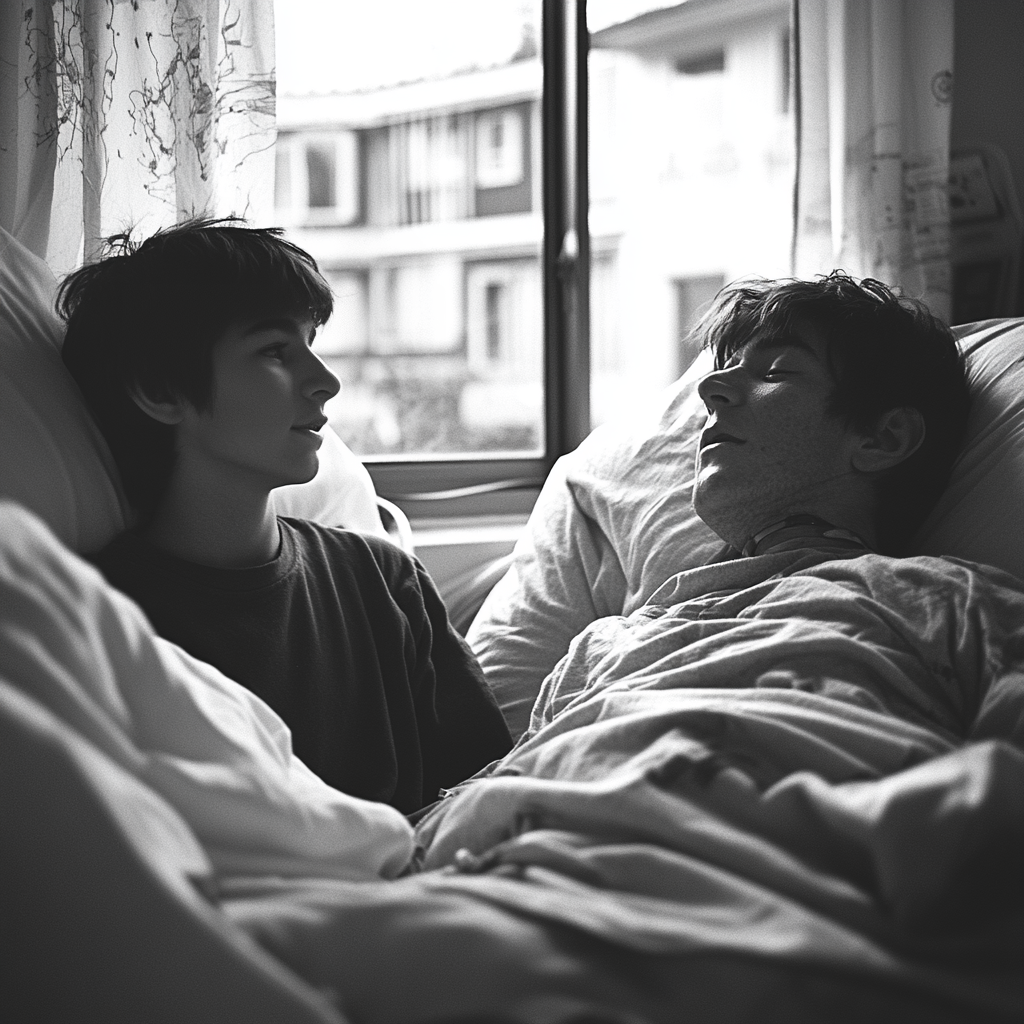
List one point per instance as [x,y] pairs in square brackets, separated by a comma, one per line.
[461,726]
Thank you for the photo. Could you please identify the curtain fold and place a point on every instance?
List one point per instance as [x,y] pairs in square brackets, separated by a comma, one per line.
[875,82]
[120,114]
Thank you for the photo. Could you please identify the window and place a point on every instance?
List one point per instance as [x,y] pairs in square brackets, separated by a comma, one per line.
[320,174]
[418,169]
[499,148]
[429,225]
[494,302]
[523,239]
[347,332]
[317,177]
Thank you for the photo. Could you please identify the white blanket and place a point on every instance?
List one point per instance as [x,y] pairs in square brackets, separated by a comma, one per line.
[217,760]
[806,759]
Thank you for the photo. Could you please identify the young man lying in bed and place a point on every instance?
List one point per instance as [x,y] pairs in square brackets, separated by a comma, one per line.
[834,414]
[193,352]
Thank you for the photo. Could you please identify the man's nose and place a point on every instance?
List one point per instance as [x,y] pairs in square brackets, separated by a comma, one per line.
[718,388]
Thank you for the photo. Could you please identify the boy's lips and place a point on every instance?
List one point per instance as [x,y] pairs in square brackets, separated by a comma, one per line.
[314,425]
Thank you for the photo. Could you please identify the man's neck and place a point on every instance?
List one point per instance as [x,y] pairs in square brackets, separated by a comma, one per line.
[803,530]
[213,527]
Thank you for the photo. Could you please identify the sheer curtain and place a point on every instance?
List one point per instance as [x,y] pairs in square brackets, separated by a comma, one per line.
[874,96]
[117,113]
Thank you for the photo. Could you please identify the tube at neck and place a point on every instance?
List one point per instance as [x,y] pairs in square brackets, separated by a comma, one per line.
[803,530]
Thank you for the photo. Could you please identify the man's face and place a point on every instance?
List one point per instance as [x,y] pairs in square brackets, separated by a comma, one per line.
[769,448]
[260,429]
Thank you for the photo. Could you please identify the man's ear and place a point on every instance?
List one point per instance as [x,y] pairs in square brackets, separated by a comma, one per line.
[164,410]
[896,436]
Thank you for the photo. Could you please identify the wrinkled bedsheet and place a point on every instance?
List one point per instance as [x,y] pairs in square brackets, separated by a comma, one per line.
[720,813]
[799,758]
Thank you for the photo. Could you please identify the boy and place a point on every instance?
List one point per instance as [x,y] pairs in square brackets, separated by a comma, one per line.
[193,353]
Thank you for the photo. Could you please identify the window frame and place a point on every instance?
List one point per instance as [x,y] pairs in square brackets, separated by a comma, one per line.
[480,485]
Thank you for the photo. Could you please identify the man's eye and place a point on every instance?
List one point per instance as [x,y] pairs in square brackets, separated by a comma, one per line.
[775,373]
[274,352]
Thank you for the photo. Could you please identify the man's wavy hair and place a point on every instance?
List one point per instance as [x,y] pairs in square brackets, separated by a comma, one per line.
[885,351]
[145,317]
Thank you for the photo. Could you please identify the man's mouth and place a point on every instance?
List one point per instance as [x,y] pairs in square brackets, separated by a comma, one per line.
[710,437]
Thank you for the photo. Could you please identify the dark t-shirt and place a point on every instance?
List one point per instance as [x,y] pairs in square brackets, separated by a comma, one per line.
[346,638]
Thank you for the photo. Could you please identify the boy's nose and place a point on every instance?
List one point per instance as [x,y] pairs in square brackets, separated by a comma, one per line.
[322,380]
[718,388]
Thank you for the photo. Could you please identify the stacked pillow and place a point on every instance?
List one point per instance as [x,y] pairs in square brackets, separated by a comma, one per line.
[614,518]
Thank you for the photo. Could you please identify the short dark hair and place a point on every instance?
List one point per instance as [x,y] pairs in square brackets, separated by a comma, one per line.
[885,351]
[145,317]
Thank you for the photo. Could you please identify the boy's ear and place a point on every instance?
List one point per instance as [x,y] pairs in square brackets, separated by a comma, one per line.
[896,436]
[164,410]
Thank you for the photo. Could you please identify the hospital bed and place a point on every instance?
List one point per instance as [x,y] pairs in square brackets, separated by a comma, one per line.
[165,858]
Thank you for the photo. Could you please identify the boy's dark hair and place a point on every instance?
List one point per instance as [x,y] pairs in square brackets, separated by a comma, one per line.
[885,351]
[145,317]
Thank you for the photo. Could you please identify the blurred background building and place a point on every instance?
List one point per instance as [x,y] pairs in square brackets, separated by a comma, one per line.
[421,200]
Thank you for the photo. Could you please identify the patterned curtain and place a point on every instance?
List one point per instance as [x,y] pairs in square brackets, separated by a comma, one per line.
[874,101]
[132,113]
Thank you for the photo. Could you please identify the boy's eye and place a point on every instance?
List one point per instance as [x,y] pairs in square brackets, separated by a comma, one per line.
[274,352]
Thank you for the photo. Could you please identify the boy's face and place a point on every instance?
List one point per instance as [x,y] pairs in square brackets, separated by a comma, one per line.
[261,428]
[770,447]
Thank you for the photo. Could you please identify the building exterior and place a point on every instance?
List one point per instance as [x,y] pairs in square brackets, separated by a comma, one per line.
[422,204]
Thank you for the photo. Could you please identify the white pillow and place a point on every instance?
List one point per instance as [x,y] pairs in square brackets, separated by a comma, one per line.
[53,459]
[980,516]
[210,748]
[614,518]
[612,523]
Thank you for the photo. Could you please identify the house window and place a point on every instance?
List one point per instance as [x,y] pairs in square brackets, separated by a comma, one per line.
[317,177]
[418,170]
[416,306]
[320,174]
[504,319]
[494,300]
[504,395]
[499,148]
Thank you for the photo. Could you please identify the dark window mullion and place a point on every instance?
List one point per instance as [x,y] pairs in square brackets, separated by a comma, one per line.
[579,362]
[566,235]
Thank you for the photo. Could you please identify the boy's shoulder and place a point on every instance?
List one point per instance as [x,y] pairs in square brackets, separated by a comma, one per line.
[358,548]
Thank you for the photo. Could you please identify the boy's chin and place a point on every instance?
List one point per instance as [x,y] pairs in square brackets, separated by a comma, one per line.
[306,477]
[302,474]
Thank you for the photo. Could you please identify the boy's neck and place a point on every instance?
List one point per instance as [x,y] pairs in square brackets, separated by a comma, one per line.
[227,532]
